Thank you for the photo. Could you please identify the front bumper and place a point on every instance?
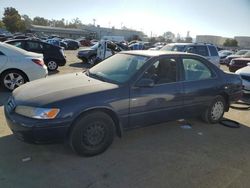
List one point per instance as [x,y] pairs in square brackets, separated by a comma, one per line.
[37,131]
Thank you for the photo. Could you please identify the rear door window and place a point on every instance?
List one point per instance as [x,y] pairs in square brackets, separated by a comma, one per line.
[33,46]
[202,50]
[18,44]
[195,69]
[213,51]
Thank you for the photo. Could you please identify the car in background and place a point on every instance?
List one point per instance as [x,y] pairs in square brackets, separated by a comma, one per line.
[71,44]
[18,66]
[53,55]
[88,55]
[238,54]
[84,42]
[245,76]
[208,51]
[238,63]
[57,42]
[223,55]
[125,91]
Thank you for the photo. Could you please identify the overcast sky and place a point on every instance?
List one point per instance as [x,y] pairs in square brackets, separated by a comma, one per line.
[226,18]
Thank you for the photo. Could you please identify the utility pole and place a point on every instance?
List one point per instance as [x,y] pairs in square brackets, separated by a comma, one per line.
[94,21]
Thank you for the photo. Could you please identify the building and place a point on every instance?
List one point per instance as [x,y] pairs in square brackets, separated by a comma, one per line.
[243,41]
[216,40]
[85,31]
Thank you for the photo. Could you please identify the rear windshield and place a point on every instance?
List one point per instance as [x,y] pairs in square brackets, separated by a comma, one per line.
[13,48]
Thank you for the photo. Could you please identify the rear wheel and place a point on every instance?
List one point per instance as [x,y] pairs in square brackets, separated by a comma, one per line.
[92,134]
[12,79]
[215,110]
[52,65]
[92,59]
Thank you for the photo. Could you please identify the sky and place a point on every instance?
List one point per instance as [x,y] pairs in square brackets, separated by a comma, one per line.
[227,18]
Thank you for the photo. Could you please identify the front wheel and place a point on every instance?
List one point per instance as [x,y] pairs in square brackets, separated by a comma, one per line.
[215,111]
[12,79]
[92,134]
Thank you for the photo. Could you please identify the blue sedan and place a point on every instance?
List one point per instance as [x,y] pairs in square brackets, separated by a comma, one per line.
[130,89]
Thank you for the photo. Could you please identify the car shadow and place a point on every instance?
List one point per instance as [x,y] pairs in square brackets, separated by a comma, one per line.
[53,72]
[80,65]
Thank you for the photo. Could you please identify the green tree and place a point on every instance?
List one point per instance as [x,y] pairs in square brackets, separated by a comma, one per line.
[40,21]
[12,20]
[230,43]
[2,26]
[27,20]
[169,36]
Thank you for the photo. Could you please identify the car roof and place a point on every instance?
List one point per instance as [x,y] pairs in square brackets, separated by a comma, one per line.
[19,40]
[153,53]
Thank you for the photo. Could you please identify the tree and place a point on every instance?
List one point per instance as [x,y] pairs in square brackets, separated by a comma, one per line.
[12,20]
[75,23]
[230,43]
[2,26]
[169,36]
[40,21]
[27,20]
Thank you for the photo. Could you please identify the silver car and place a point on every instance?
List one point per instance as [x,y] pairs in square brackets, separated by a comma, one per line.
[208,51]
[18,66]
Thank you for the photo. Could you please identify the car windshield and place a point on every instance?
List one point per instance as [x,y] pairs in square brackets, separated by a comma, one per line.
[241,52]
[247,54]
[118,68]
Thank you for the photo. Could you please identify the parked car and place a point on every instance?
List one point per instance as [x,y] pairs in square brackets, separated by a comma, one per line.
[18,66]
[245,76]
[88,55]
[238,54]
[238,63]
[223,55]
[53,55]
[127,90]
[72,44]
[208,51]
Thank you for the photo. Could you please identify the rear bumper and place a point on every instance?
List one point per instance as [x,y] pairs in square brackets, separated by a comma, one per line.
[37,131]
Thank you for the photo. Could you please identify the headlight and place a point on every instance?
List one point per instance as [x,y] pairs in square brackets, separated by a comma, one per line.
[37,113]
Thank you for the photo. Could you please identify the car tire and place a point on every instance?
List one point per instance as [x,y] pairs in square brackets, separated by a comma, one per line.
[92,134]
[12,79]
[215,111]
[51,65]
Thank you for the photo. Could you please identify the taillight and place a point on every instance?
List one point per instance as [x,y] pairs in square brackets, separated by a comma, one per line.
[38,62]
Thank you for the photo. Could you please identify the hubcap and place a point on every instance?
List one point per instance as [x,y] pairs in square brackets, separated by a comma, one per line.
[52,65]
[13,80]
[94,134]
[217,110]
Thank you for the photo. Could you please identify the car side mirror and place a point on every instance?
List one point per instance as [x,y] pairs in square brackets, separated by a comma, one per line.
[145,82]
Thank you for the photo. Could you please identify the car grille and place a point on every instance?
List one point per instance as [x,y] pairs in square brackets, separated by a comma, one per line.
[245,77]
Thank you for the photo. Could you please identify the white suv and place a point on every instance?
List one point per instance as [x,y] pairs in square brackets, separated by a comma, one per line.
[208,51]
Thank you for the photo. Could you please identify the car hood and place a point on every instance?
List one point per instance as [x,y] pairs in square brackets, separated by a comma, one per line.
[242,59]
[85,50]
[57,88]
[244,71]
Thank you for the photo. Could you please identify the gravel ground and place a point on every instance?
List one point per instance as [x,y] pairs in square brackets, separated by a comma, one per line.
[165,155]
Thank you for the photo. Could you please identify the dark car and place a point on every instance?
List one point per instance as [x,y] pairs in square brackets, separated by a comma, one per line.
[238,63]
[224,54]
[127,90]
[238,54]
[53,55]
[88,54]
[72,44]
